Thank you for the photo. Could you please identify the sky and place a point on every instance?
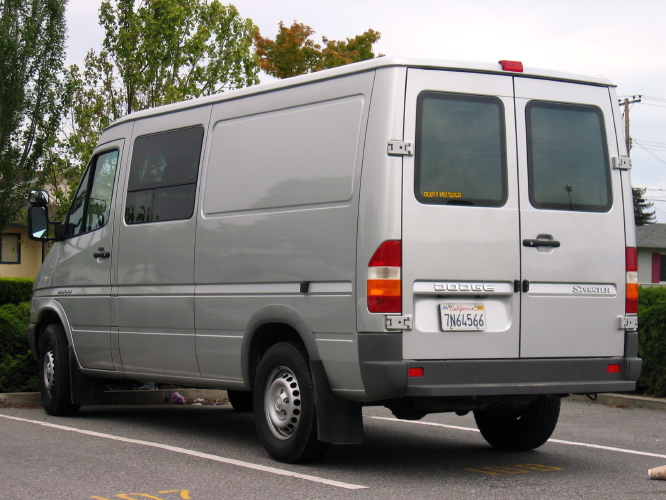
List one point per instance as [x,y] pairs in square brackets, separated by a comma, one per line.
[622,40]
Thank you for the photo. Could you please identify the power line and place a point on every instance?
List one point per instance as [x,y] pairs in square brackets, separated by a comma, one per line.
[648,151]
[662,99]
[651,147]
[654,105]
[653,142]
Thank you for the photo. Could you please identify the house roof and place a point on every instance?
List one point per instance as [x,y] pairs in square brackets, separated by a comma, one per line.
[651,236]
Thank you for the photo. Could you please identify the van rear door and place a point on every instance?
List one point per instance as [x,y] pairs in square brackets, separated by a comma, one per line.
[460,217]
[513,225]
[570,198]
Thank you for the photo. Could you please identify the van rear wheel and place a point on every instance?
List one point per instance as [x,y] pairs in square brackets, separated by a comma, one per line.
[54,376]
[520,430]
[284,406]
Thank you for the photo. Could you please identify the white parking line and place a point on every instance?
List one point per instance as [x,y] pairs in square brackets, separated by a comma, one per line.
[207,456]
[559,441]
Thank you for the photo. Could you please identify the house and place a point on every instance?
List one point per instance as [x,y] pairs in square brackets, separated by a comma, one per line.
[651,244]
[20,257]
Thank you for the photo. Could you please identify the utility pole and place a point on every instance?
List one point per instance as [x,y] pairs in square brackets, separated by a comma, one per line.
[627,136]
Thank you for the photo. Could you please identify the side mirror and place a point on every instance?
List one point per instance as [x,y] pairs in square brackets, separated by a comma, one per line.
[38,218]
[38,222]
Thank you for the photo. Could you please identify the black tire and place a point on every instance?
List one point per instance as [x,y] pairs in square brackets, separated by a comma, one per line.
[284,402]
[520,430]
[54,376]
[241,400]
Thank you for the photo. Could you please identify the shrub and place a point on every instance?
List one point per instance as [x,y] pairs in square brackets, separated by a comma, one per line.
[15,290]
[18,367]
[652,340]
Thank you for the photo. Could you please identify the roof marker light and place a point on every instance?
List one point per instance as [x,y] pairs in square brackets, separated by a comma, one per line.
[515,66]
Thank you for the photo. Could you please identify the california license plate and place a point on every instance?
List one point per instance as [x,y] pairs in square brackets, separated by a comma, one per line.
[467,317]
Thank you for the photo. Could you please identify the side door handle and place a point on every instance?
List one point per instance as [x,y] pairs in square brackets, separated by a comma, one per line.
[102,254]
[541,243]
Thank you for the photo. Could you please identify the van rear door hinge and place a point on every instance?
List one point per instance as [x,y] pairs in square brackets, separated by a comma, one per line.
[398,322]
[400,148]
[621,162]
[627,322]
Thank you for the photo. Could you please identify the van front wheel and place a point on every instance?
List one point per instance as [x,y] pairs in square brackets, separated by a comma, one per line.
[520,430]
[284,406]
[54,376]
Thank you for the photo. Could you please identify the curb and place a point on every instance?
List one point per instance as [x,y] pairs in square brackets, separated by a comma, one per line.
[154,397]
[623,400]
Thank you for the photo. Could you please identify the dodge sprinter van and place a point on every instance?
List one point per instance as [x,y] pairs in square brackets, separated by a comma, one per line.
[426,236]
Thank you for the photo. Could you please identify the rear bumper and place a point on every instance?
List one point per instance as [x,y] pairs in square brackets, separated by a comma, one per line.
[388,378]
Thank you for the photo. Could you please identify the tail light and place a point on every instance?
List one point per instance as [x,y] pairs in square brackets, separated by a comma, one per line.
[384,279]
[632,281]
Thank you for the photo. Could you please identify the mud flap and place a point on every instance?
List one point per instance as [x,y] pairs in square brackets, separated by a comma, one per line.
[338,421]
[85,390]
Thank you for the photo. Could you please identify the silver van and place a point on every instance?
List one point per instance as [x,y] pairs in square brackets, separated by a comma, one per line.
[426,236]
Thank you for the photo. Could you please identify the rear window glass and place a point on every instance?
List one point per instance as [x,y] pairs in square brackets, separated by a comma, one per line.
[460,152]
[567,157]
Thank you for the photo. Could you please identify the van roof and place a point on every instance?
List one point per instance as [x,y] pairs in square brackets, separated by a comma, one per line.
[360,67]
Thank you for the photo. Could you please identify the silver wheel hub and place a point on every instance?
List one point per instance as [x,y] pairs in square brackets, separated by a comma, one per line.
[282,403]
[49,371]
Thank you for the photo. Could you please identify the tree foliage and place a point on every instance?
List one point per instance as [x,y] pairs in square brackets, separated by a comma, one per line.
[154,52]
[642,213]
[33,95]
[164,51]
[293,52]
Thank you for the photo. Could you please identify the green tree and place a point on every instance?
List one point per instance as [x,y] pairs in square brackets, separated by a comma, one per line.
[642,213]
[165,51]
[33,96]
[293,52]
[154,52]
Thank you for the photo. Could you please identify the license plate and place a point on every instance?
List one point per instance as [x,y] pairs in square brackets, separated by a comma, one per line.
[466,317]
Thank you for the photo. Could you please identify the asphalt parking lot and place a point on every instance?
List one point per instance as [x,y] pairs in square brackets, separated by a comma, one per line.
[211,452]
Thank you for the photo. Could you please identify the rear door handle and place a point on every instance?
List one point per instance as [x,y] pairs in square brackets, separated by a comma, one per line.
[541,243]
[102,254]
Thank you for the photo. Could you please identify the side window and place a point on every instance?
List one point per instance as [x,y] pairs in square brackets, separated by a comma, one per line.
[91,205]
[460,152]
[567,157]
[11,248]
[163,176]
